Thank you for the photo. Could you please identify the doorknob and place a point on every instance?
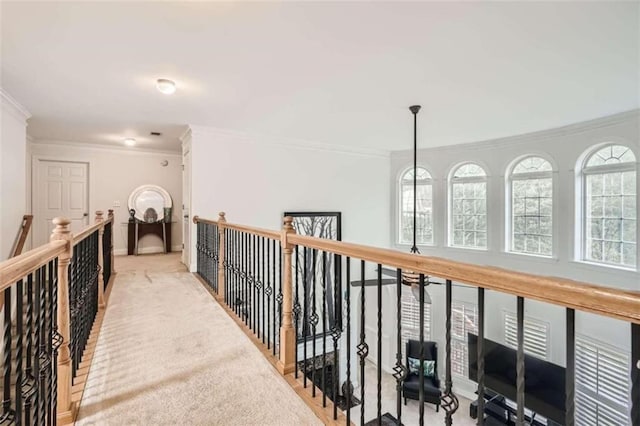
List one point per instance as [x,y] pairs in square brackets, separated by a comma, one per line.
[85,214]
[186,216]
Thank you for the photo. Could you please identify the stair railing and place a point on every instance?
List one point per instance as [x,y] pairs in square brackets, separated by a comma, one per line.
[254,271]
[52,287]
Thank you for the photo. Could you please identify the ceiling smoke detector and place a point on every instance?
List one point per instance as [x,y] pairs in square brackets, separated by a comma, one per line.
[166,86]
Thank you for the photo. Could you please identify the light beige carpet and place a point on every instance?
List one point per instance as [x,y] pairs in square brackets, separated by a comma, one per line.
[169,355]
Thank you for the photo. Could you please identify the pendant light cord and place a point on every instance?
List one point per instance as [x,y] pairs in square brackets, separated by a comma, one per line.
[414,109]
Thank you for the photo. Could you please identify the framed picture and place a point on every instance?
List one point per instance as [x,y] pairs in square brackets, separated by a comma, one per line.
[318,283]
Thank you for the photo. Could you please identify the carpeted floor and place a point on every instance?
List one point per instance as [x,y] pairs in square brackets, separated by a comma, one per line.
[169,355]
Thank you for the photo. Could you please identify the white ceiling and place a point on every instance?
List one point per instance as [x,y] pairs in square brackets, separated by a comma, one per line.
[335,73]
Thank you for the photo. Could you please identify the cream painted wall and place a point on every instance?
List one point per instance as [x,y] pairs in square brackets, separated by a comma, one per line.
[256,179]
[12,172]
[113,175]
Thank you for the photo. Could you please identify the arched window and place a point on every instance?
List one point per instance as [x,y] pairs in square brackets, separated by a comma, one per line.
[424,207]
[531,186]
[609,211]
[468,213]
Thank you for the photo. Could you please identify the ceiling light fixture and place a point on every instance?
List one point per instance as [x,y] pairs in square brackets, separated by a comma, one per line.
[166,86]
[129,141]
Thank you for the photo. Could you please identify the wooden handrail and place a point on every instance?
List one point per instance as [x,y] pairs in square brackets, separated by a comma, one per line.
[18,267]
[606,301]
[267,233]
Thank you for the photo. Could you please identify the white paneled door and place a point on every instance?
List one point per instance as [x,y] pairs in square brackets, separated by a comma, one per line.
[61,190]
[186,207]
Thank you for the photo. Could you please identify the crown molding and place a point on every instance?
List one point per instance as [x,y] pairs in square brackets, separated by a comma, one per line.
[13,106]
[100,147]
[570,129]
[252,138]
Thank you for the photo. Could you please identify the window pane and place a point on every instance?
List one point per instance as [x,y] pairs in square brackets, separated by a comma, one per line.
[535,221]
[532,164]
[612,154]
[469,170]
[468,215]
[424,208]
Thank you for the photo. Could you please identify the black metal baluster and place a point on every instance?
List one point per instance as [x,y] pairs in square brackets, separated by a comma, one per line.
[245,278]
[7,413]
[53,268]
[258,287]
[520,383]
[273,272]
[36,347]
[253,283]
[314,321]
[305,315]
[268,292]
[296,307]
[570,373]
[379,384]
[336,330]
[399,370]
[635,374]
[28,380]
[44,358]
[56,342]
[280,296]
[363,348]
[324,329]
[348,302]
[19,350]
[421,370]
[449,401]
[264,291]
[480,349]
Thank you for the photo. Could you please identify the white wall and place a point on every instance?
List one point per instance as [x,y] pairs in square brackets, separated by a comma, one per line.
[113,175]
[12,172]
[255,179]
[563,147]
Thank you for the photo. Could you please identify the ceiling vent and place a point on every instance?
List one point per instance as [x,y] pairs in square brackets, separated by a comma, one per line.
[156,134]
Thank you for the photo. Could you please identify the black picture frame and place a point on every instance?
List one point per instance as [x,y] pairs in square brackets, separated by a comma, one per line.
[321,225]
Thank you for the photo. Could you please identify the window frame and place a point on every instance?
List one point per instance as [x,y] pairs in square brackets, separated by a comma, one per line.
[466,306]
[412,330]
[399,210]
[451,180]
[509,223]
[584,171]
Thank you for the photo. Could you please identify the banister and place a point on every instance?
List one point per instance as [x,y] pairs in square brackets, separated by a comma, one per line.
[16,268]
[606,301]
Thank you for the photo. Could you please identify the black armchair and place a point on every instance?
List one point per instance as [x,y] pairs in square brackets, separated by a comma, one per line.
[411,385]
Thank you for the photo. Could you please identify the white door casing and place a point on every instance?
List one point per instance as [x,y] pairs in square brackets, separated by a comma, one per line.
[186,205]
[61,189]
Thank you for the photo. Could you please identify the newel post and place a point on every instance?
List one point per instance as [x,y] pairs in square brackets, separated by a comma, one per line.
[113,227]
[286,363]
[66,410]
[100,219]
[221,258]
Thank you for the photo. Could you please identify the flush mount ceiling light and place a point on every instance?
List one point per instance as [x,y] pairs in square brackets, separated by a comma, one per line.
[129,141]
[166,86]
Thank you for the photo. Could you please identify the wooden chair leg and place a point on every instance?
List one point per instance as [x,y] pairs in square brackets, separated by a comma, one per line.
[405,401]
[437,408]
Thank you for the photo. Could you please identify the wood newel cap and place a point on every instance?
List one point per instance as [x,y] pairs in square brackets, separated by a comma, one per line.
[110,212]
[221,217]
[287,229]
[195,219]
[62,232]
[99,216]
[288,225]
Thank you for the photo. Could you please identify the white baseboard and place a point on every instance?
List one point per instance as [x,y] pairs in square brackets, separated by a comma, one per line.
[147,250]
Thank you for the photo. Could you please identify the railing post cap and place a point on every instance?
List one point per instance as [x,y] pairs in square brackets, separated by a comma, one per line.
[61,222]
[288,222]
[221,217]
[99,214]
[195,219]
[110,212]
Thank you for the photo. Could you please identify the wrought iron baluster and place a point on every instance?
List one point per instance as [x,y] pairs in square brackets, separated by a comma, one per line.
[336,330]
[314,321]
[449,401]
[28,382]
[280,297]
[264,290]
[19,350]
[324,328]
[258,287]
[36,347]
[44,356]
[273,271]
[268,292]
[7,412]
[379,384]
[56,341]
[49,331]
[520,380]
[421,370]
[570,372]
[363,348]
[253,283]
[305,314]
[635,374]
[348,303]
[480,353]
[399,370]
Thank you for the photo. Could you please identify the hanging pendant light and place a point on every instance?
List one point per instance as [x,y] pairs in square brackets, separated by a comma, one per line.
[411,278]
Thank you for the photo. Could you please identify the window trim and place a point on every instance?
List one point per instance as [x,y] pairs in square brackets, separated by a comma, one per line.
[451,180]
[583,171]
[510,177]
